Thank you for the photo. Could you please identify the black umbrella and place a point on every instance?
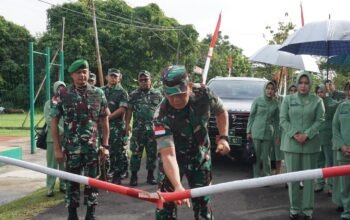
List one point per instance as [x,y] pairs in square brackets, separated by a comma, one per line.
[323,38]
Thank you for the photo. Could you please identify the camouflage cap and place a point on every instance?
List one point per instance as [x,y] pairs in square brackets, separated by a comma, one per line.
[175,80]
[92,76]
[77,65]
[113,71]
[144,73]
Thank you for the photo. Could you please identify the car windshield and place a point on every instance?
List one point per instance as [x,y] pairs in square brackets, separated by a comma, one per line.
[237,89]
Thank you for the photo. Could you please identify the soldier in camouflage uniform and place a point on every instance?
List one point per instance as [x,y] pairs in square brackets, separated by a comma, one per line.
[82,107]
[92,79]
[104,165]
[180,126]
[142,105]
[117,99]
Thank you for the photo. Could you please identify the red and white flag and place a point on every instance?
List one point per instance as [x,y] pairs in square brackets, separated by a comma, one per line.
[159,130]
[229,65]
[211,49]
[55,100]
[301,14]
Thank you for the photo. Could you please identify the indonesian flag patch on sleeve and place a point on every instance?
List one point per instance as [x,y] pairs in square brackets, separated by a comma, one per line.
[159,130]
[55,99]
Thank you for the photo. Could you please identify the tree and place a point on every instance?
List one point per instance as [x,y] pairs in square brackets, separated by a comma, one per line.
[284,28]
[278,36]
[131,39]
[14,64]
[219,62]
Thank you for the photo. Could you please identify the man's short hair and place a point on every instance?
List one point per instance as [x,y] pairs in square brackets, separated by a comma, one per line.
[328,81]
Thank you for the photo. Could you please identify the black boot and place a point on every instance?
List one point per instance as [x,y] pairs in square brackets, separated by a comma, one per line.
[133,178]
[150,178]
[90,213]
[72,213]
[117,179]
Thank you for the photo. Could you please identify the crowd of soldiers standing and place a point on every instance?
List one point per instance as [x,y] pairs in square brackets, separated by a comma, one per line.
[90,129]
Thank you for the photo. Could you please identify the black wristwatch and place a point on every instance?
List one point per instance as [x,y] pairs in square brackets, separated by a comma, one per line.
[223,137]
[105,146]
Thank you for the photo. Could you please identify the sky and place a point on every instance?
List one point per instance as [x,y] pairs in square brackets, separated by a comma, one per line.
[244,21]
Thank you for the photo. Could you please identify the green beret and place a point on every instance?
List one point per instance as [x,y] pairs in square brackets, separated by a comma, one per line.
[77,65]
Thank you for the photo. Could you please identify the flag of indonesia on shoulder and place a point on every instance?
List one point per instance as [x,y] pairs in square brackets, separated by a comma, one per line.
[159,129]
[55,99]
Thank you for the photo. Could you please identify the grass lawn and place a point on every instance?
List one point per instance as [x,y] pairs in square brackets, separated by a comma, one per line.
[16,120]
[30,206]
[14,132]
[12,124]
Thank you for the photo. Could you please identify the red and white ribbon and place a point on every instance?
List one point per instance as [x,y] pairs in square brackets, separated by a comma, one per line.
[160,197]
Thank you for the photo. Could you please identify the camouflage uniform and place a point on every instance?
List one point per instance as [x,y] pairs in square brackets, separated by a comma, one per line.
[187,128]
[81,109]
[143,105]
[117,97]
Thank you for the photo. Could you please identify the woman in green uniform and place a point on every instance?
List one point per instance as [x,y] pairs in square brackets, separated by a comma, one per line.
[325,158]
[50,153]
[263,114]
[341,141]
[301,116]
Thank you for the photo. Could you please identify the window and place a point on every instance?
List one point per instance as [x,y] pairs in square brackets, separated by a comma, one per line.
[237,89]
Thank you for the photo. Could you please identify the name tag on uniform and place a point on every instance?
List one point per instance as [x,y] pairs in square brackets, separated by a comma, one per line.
[294,104]
[159,130]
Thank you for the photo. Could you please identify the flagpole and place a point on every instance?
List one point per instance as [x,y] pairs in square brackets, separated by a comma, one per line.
[211,49]
[229,65]
[285,82]
[302,14]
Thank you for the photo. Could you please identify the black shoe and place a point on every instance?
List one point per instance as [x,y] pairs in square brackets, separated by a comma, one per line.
[72,213]
[133,179]
[117,180]
[307,217]
[293,216]
[90,213]
[150,178]
[340,209]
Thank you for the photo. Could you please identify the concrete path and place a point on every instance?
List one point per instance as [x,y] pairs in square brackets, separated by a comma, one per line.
[17,182]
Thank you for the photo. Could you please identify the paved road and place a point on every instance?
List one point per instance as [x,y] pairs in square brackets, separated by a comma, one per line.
[269,203]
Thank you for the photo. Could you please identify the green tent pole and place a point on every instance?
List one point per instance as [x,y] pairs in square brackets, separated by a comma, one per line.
[62,66]
[48,74]
[31,96]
